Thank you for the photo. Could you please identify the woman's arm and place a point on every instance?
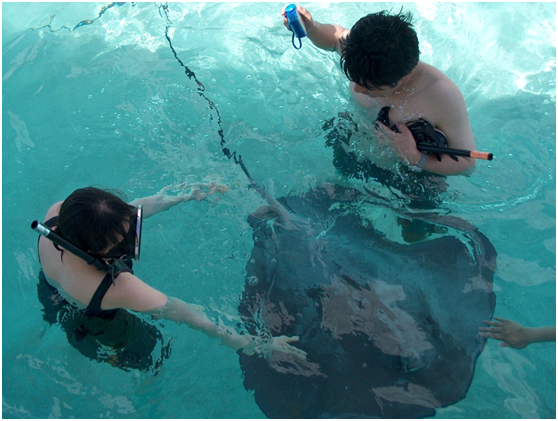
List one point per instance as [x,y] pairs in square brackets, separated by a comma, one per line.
[162,202]
[132,293]
[194,316]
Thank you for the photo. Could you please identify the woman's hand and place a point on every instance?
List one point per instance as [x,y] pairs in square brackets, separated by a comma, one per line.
[161,202]
[277,344]
[282,344]
[195,191]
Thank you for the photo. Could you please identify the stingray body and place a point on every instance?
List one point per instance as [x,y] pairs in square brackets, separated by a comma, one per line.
[390,328]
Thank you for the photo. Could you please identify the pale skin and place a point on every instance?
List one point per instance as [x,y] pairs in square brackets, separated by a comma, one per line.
[424,93]
[513,335]
[80,280]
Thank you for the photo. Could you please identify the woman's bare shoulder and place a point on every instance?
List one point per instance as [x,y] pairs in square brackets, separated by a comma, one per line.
[132,293]
[54,210]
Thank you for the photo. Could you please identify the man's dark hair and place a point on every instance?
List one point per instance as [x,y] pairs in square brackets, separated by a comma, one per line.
[92,219]
[380,50]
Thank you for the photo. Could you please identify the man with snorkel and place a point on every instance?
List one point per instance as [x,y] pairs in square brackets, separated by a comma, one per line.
[380,57]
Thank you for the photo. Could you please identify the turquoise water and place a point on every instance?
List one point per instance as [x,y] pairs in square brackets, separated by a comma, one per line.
[95,96]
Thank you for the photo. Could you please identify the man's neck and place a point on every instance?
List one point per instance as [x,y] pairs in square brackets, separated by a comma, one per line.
[410,82]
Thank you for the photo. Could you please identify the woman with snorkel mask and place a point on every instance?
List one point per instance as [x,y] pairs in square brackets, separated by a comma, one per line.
[87,283]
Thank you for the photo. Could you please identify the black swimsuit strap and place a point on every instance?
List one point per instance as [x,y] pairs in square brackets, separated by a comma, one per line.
[52,221]
[94,306]
[95,303]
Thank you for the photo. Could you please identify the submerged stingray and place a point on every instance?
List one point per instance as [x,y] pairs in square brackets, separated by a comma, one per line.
[390,328]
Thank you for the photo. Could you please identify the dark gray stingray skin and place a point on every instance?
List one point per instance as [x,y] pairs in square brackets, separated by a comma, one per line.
[390,328]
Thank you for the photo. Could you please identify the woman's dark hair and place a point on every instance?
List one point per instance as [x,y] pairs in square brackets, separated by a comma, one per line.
[93,219]
[380,50]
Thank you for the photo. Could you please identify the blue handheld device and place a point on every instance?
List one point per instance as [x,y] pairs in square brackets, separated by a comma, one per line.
[295,23]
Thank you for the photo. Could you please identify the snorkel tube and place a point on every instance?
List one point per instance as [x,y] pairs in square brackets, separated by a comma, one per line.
[55,238]
[457,152]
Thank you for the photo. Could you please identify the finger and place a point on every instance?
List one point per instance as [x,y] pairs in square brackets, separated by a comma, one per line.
[490,323]
[504,344]
[501,320]
[294,350]
[402,127]
[302,352]
[377,131]
[495,330]
[382,127]
[305,14]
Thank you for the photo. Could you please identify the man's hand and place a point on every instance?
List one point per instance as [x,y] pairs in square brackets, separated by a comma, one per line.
[304,15]
[403,144]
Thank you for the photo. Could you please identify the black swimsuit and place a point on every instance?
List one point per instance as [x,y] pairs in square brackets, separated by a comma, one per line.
[115,336]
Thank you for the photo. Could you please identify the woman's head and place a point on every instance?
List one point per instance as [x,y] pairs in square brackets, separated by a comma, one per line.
[380,50]
[94,219]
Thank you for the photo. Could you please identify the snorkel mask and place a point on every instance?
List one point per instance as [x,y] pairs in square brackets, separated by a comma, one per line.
[129,248]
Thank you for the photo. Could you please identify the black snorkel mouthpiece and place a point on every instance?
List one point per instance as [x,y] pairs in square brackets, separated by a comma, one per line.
[56,239]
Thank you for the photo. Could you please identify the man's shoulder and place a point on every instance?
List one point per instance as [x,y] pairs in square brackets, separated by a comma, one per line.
[439,88]
[435,78]
[441,99]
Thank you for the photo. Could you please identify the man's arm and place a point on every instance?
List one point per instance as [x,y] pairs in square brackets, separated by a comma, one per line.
[404,145]
[453,120]
[324,36]
[447,112]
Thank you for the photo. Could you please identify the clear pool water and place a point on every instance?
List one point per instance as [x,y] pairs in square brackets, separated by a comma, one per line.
[93,95]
